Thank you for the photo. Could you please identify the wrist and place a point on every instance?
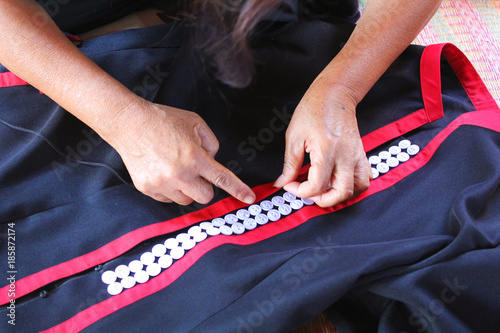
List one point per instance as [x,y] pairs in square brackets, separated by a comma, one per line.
[119,123]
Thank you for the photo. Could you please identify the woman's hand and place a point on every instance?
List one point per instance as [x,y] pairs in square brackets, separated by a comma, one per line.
[169,154]
[324,125]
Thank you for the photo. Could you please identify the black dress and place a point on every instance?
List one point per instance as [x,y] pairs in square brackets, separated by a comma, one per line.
[419,251]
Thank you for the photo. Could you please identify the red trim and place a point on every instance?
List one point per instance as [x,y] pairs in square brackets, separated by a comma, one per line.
[430,73]
[98,311]
[430,70]
[74,38]
[127,242]
[8,79]
[430,60]
[395,129]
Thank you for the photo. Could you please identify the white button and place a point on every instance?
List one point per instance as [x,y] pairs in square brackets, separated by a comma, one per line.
[218,222]
[289,197]
[153,269]
[392,162]
[147,258]
[403,157]
[375,173]
[200,237]
[165,261]
[307,201]
[254,210]
[250,224]
[122,271]
[159,250]
[394,150]
[226,230]
[285,209]
[108,277]
[194,230]
[141,277]
[261,219]
[115,288]
[413,150]
[297,204]
[128,282]
[383,168]
[243,214]
[266,205]
[205,225]
[403,144]
[277,200]
[135,266]
[182,237]
[374,160]
[188,245]
[384,155]
[238,228]
[171,243]
[231,218]
[177,253]
[273,215]
[213,231]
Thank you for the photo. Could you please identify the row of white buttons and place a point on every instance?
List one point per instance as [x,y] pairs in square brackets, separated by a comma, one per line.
[391,158]
[139,271]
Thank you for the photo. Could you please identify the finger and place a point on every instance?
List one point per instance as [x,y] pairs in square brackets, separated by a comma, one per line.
[179,198]
[362,176]
[342,187]
[294,157]
[221,177]
[199,190]
[319,176]
[161,198]
[209,141]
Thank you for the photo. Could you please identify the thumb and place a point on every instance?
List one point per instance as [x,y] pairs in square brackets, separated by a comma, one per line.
[294,157]
[209,141]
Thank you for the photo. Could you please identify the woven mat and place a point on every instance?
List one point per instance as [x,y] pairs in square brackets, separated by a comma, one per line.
[474,27]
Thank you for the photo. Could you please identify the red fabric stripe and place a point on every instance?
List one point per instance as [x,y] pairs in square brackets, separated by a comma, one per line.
[98,311]
[431,68]
[431,79]
[74,38]
[8,79]
[126,242]
[395,129]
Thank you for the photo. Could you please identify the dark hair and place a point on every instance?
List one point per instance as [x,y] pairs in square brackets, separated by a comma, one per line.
[221,31]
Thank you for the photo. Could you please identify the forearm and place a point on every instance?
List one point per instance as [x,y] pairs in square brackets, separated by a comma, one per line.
[385,29]
[32,47]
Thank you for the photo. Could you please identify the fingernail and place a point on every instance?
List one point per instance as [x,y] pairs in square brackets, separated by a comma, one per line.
[249,200]
[278,182]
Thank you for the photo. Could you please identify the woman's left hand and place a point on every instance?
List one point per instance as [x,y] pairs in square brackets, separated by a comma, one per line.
[324,125]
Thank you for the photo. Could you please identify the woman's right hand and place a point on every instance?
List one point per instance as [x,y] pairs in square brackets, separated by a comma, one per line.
[169,154]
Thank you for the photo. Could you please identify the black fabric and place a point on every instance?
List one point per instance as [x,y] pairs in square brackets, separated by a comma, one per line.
[77,16]
[393,255]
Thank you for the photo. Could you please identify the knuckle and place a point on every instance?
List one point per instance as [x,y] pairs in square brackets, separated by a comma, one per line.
[222,179]
[184,201]
[142,186]
[290,162]
[215,145]
[204,199]
[364,184]
[347,193]
[323,204]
